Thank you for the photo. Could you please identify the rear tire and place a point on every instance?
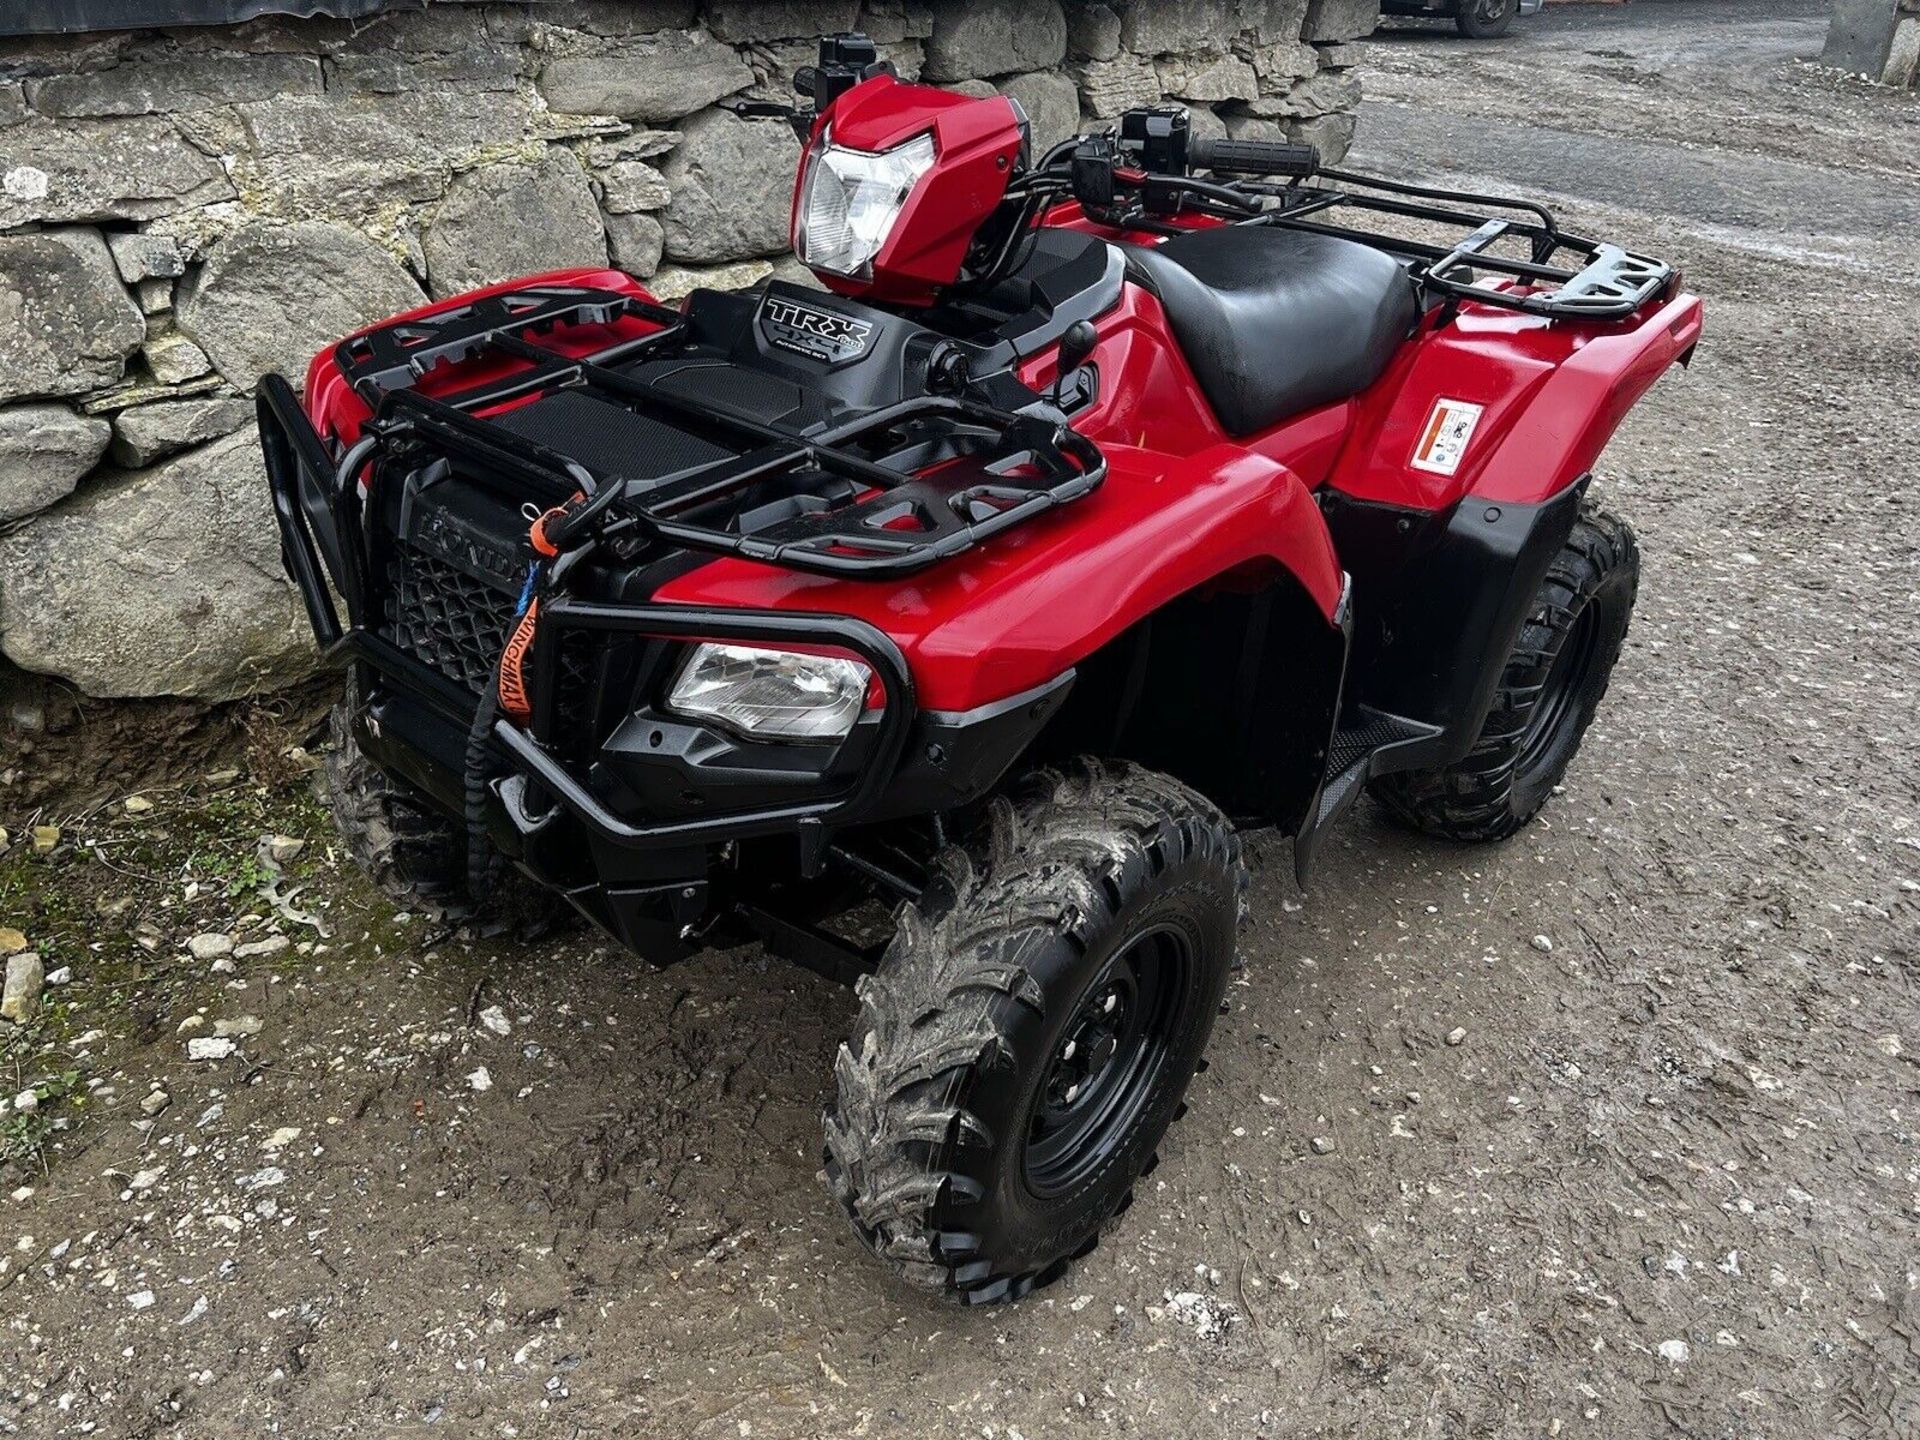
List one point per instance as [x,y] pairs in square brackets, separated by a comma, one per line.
[1485,19]
[413,854]
[1553,683]
[1030,1034]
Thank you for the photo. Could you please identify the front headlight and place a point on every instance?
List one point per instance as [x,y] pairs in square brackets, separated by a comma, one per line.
[771,694]
[850,200]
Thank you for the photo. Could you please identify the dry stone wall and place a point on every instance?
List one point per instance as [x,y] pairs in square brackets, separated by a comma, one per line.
[183,212]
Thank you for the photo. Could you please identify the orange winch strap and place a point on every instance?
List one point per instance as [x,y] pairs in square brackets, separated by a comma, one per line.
[514,702]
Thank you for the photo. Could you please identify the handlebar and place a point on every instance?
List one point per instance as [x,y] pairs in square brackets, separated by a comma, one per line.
[1161,169]
[1252,157]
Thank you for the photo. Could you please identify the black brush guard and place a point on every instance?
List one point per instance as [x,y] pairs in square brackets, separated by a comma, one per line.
[298,470]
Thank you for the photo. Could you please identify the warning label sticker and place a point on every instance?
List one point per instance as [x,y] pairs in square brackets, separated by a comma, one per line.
[1448,432]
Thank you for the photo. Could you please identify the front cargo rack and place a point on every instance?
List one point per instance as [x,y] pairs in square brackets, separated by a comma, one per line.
[400,353]
[887,492]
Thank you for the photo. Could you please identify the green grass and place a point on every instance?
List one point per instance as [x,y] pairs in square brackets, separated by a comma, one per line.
[24,1134]
[84,906]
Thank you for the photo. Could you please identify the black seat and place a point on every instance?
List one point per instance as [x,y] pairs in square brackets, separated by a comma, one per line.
[1275,321]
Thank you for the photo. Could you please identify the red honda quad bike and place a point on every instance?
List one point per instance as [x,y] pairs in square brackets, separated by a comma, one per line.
[1102,504]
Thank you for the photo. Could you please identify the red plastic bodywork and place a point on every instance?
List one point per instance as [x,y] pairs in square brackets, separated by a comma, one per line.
[1006,617]
[1184,505]
[1553,395]
[976,144]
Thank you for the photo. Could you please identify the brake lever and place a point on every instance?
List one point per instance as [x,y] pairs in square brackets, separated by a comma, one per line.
[759,109]
[802,121]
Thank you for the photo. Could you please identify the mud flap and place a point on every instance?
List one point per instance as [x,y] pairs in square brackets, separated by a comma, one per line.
[1448,626]
[1451,625]
[1316,817]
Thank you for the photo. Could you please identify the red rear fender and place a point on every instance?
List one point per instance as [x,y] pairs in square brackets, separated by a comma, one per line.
[1548,396]
[1562,433]
[1017,612]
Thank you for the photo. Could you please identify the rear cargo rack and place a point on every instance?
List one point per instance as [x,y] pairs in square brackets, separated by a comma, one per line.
[1604,282]
[886,492]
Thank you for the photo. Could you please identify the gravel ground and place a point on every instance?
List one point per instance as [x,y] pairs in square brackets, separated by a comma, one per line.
[1605,1132]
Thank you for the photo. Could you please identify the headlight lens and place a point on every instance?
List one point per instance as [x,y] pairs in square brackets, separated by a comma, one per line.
[850,201]
[772,694]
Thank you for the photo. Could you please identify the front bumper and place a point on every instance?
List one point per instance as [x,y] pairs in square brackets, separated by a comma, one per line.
[630,832]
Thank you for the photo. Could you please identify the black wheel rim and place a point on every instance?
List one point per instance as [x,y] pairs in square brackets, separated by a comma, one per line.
[1559,700]
[1107,1061]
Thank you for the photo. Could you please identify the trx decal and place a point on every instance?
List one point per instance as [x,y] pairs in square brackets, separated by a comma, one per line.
[824,335]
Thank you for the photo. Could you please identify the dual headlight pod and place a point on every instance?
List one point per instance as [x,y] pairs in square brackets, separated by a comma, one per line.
[771,694]
[850,201]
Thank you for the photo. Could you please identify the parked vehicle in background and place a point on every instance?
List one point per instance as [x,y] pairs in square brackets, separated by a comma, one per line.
[1476,19]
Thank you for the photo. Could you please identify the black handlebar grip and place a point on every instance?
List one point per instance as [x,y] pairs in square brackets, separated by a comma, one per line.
[1253,157]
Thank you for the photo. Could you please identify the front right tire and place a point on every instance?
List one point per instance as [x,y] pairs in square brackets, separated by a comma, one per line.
[1030,1034]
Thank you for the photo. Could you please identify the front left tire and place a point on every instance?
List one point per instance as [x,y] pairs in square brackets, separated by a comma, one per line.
[1029,1036]
[413,854]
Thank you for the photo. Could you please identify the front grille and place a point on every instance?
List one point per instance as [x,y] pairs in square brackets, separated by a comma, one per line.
[445,618]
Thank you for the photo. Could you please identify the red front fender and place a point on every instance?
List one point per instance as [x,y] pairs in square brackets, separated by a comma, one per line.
[1013,614]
